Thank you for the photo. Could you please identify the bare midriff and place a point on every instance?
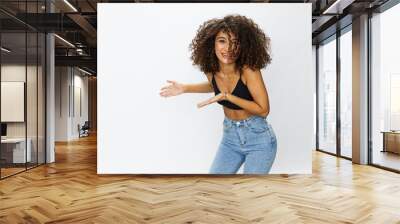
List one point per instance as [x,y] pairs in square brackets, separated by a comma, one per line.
[236,114]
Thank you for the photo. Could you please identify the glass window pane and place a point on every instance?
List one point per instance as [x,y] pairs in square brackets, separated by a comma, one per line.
[32,95]
[14,153]
[327,97]
[386,89]
[22,88]
[41,98]
[346,94]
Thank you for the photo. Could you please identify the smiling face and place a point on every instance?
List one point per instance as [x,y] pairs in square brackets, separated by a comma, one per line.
[226,47]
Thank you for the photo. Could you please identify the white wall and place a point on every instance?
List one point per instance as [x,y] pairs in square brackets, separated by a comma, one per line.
[68,81]
[140,132]
[80,84]
[61,103]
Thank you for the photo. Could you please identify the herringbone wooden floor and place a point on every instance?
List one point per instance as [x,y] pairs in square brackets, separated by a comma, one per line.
[70,191]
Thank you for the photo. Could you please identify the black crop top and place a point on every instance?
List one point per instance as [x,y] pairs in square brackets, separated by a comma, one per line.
[240,90]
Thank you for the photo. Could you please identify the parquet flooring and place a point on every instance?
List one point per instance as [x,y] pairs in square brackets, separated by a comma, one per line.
[70,191]
[10,171]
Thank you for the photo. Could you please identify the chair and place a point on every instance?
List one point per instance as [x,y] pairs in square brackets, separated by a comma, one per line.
[84,130]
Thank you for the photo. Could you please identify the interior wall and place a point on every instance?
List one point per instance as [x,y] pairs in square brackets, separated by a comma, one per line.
[81,83]
[71,102]
[61,103]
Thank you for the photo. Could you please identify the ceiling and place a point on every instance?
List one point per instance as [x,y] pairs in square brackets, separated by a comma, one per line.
[76,22]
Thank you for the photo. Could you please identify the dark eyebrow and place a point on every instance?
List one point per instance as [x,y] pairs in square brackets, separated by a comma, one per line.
[233,40]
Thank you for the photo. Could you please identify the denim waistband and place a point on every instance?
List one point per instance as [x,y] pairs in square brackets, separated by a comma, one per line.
[244,121]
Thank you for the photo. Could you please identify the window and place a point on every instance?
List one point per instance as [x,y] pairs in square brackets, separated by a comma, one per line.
[385,89]
[22,66]
[327,97]
[346,94]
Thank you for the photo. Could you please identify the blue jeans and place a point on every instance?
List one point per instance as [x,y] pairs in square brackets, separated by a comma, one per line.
[251,141]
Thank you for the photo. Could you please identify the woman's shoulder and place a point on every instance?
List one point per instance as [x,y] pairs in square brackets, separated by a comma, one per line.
[248,70]
[249,73]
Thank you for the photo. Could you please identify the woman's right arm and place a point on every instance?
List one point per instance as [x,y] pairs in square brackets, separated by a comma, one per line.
[177,88]
[204,87]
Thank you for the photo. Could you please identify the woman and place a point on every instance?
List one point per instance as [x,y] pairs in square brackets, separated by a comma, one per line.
[231,51]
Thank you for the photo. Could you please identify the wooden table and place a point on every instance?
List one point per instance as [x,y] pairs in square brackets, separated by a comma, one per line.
[391,141]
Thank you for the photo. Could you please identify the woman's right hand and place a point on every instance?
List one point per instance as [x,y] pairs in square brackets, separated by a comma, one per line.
[172,90]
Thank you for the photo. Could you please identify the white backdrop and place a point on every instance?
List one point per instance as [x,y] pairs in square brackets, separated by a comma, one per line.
[140,46]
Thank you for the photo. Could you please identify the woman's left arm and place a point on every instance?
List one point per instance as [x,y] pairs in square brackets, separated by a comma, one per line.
[255,84]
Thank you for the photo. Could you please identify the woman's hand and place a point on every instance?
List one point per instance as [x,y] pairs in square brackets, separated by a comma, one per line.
[219,97]
[172,90]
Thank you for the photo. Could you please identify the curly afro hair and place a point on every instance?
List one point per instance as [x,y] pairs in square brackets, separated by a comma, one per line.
[253,44]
